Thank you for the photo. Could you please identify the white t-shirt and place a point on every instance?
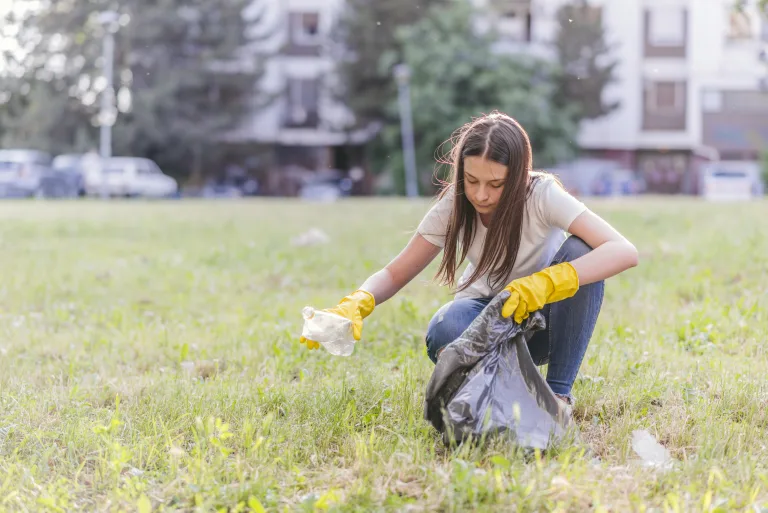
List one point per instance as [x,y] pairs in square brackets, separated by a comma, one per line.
[549,212]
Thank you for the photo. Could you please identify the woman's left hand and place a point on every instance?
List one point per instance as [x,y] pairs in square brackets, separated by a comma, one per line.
[531,293]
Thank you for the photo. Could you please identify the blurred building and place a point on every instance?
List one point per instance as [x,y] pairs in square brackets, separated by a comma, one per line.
[693,82]
[304,130]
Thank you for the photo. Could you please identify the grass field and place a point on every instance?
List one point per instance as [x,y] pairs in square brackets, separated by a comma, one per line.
[149,362]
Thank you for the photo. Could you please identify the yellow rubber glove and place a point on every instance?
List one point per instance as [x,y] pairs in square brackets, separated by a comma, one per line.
[531,293]
[355,307]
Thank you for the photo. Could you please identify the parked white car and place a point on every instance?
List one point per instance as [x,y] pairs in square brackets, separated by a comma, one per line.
[731,181]
[127,177]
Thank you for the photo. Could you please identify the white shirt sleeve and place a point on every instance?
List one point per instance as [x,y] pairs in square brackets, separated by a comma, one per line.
[556,206]
[434,225]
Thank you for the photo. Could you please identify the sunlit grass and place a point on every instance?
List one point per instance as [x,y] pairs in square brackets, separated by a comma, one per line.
[149,361]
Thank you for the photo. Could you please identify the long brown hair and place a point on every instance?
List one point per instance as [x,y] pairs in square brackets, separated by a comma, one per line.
[498,138]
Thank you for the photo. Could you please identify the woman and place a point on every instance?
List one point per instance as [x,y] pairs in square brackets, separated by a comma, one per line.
[511,223]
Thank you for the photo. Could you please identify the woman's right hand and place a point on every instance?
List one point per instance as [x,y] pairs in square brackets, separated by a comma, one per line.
[414,258]
[355,307]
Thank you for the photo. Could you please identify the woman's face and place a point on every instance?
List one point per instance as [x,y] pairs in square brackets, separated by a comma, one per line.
[483,183]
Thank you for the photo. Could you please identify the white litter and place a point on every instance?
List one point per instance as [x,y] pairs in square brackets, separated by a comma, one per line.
[331,331]
[312,237]
[650,451]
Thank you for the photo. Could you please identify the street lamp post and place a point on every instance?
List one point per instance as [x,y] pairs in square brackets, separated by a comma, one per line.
[403,77]
[108,111]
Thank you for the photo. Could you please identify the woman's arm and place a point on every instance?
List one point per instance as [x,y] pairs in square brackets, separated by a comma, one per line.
[414,258]
[611,254]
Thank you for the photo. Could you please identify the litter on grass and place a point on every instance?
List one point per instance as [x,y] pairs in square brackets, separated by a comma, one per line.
[312,237]
[650,451]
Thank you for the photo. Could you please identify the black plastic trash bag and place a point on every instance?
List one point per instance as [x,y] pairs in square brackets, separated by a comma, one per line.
[485,383]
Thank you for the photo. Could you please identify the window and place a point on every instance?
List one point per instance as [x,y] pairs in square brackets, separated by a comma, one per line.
[303,101]
[305,28]
[739,25]
[711,101]
[666,26]
[147,167]
[514,20]
[745,102]
[664,97]
[115,169]
[664,105]
[665,32]
[510,8]
[764,27]
[303,93]
[310,24]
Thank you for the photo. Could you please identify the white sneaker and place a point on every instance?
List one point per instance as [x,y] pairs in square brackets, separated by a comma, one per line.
[567,404]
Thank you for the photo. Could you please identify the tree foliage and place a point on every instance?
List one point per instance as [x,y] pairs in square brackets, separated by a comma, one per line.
[366,30]
[585,59]
[184,72]
[457,76]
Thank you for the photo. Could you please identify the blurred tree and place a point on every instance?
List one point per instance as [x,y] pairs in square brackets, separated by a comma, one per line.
[764,170]
[42,116]
[185,72]
[585,60]
[365,31]
[457,76]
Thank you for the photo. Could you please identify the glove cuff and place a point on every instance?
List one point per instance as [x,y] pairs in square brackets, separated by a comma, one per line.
[365,302]
[565,280]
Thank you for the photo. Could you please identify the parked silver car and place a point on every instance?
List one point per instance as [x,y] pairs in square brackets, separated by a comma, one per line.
[21,172]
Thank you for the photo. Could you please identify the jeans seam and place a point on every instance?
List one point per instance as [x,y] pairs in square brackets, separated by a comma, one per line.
[549,324]
[602,296]
[549,337]
[556,261]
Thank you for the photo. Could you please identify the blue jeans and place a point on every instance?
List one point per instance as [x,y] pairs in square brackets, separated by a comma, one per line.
[562,344]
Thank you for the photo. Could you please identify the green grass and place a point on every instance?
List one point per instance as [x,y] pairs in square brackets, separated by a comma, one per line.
[103,306]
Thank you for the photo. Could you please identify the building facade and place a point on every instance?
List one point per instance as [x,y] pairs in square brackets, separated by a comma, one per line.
[692,82]
[304,128]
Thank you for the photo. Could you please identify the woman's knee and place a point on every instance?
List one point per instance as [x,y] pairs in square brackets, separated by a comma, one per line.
[448,323]
[442,331]
[574,247]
